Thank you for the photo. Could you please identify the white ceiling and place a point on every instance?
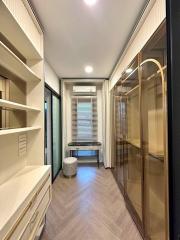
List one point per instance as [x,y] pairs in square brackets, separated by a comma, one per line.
[77,35]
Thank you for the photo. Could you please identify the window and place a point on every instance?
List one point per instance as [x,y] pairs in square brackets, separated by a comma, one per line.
[84,119]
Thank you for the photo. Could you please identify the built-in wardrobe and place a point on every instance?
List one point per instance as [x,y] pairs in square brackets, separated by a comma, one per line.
[25,183]
[140,153]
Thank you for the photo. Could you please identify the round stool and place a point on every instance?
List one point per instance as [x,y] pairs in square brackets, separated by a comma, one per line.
[70,167]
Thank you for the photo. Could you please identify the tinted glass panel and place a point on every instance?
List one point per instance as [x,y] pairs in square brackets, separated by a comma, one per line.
[56,136]
[132,158]
[153,139]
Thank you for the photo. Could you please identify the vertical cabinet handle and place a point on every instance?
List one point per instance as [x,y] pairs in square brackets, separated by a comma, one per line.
[33,221]
[33,201]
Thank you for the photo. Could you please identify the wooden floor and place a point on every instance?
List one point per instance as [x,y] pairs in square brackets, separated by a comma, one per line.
[88,207]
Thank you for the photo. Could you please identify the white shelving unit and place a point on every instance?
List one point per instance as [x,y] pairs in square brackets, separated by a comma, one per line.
[17,106]
[10,207]
[18,130]
[21,69]
[14,65]
[22,38]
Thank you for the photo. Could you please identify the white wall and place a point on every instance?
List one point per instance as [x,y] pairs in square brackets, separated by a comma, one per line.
[152,18]
[51,78]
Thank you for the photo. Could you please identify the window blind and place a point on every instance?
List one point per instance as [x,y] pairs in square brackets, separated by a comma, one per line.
[84,119]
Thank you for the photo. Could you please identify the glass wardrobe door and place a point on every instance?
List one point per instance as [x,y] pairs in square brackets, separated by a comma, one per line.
[154,148]
[119,139]
[56,135]
[116,133]
[122,116]
[48,120]
[132,157]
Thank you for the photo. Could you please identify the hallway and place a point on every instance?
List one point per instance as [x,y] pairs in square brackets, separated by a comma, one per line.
[89,206]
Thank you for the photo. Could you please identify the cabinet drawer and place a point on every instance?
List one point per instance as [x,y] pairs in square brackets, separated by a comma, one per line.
[40,194]
[37,218]
[28,214]
[26,234]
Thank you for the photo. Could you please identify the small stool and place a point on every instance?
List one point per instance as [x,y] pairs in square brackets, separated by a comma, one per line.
[70,167]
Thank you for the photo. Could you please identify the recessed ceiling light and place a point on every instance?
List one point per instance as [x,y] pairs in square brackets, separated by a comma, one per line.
[90,2]
[129,70]
[88,69]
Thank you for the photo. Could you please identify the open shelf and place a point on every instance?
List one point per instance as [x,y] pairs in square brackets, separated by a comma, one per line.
[157,156]
[134,142]
[25,184]
[132,90]
[156,151]
[14,65]
[18,130]
[10,28]
[17,106]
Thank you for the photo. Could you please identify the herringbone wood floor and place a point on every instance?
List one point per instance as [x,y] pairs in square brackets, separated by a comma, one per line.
[88,207]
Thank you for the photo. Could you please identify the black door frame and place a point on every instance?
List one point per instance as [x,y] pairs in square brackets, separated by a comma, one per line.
[54,93]
[173,97]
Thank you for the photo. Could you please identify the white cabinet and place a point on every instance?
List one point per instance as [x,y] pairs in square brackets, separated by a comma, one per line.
[21,87]
[25,184]
[22,214]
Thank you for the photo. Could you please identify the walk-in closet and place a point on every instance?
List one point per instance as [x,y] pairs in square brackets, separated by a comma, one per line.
[140,159]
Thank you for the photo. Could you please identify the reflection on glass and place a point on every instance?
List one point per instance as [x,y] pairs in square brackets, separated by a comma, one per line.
[56,135]
[153,139]
[119,123]
[132,158]
[48,134]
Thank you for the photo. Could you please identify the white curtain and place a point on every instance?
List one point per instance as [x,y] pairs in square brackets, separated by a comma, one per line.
[107,124]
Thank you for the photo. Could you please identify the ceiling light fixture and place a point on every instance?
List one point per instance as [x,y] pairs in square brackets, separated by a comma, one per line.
[88,69]
[129,70]
[90,2]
